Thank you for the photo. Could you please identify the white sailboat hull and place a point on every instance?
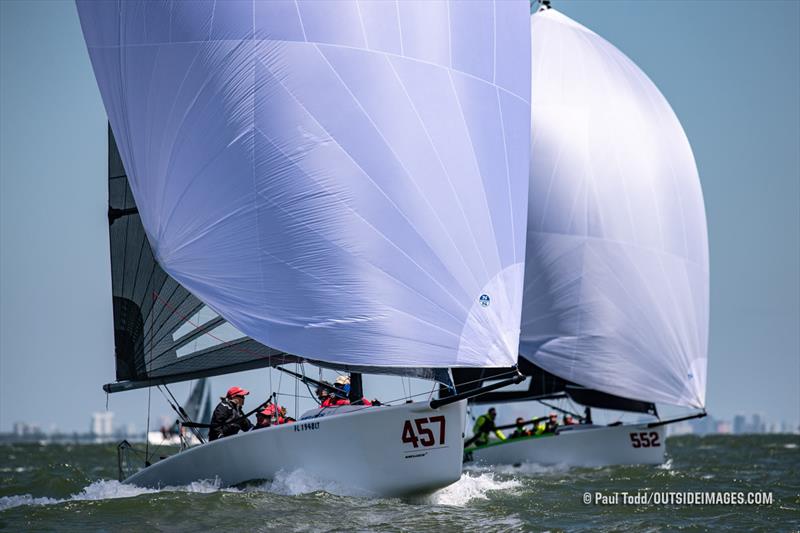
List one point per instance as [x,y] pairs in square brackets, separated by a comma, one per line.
[589,446]
[367,448]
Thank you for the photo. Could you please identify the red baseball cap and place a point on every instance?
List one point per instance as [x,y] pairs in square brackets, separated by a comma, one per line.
[237,391]
[268,411]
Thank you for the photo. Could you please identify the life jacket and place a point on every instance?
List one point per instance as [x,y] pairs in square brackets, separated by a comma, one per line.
[479,423]
[334,402]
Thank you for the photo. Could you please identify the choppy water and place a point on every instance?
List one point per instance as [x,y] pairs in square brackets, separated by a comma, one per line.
[72,488]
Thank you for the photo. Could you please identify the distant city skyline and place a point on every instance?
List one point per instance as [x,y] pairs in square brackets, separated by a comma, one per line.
[730,73]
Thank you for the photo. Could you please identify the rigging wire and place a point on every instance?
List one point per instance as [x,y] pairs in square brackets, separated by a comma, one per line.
[147,430]
[314,396]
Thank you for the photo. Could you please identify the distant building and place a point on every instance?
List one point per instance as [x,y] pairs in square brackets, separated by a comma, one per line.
[724,427]
[704,426]
[102,424]
[739,424]
[23,429]
[757,425]
[681,428]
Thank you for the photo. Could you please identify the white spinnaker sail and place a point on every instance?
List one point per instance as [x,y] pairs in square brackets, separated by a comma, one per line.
[616,280]
[345,181]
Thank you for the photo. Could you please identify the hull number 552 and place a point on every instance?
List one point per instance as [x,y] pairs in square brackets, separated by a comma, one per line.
[421,432]
[644,439]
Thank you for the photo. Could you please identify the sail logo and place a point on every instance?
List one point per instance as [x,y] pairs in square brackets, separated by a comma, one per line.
[485,300]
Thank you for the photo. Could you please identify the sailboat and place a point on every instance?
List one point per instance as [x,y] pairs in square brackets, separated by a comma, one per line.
[615,309]
[339,183]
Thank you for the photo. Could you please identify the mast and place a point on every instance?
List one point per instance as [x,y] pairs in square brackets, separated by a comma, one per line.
[356,388]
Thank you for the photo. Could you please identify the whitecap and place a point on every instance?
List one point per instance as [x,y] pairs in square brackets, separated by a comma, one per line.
[525,469]
[790,446]
[301,481]
[105,489]
[665,466]
[470,487]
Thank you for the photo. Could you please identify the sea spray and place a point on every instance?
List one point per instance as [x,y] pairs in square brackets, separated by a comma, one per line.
[470,487]
[301,481]
[106,489]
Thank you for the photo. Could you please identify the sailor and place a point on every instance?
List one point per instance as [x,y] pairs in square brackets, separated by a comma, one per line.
[282,418]
[339,397]
[569,421]
[264,417]
[483,426]
[228,418]
[548,426]
[322,394]
[520,430]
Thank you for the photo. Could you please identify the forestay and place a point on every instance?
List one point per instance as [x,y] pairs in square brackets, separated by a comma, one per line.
[345,181]
[616,282]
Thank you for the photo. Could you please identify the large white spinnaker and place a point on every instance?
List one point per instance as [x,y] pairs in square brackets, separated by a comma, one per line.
[617,279]
[346,181]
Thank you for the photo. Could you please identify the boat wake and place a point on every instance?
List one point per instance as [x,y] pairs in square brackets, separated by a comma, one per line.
[523,469]
[301,481]
[471,486]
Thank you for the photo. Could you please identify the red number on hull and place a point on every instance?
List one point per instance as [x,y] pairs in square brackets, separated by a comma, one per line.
[423,436]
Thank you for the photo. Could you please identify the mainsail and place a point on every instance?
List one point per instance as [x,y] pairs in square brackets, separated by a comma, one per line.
[346,181]
[616,280]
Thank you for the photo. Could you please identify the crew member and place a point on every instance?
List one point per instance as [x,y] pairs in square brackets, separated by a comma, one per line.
[228,418]
[264,417]
[520,430]
[483,426]
[322,394]
[548,426]
[339,397]
[569,421]
[282,418]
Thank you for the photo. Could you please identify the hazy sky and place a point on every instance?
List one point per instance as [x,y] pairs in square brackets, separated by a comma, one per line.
[729,69]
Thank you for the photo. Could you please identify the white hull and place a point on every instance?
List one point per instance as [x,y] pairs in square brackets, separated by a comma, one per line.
[367,448]
[578,446]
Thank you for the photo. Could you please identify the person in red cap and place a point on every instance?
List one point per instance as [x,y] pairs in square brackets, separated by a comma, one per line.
[264,417]
[228,418]
[270,416]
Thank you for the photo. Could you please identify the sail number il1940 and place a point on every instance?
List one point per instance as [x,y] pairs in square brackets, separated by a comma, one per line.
[421,432]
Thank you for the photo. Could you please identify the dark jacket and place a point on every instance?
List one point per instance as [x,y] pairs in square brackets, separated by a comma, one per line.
[228,419]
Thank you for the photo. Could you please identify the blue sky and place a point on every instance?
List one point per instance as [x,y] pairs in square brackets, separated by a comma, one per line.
[729,69]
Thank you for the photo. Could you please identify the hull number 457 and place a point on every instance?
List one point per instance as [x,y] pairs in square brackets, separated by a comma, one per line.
[424,432]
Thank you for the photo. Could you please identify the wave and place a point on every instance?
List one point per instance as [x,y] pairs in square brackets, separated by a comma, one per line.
[300,481]
[107,490]
[666,465]
[524,469]
[470,487]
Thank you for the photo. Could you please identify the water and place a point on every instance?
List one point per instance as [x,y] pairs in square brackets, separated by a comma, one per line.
[72,488]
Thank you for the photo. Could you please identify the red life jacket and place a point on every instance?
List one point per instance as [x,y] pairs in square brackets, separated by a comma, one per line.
[334,402]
